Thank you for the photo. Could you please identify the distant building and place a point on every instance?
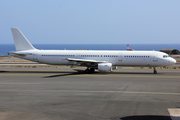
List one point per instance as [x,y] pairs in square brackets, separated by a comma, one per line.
[131,50]
[171,51]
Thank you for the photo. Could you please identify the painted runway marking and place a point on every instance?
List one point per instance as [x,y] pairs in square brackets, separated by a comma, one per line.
[174,113]
[19,83]
[78,91]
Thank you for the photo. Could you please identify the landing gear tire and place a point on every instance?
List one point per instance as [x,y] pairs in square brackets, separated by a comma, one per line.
[91,70]
[86,71]
[155,72]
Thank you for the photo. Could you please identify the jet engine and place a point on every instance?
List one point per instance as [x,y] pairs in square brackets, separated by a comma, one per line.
[105,67]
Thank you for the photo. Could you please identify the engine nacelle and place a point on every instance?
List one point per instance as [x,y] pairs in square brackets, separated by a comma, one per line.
[105,67]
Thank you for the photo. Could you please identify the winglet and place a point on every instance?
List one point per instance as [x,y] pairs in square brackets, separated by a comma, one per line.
[21,42]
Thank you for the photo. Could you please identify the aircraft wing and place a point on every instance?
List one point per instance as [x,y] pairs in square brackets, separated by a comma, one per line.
[85,60]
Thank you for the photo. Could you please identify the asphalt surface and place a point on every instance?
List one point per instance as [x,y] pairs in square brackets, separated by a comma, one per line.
[69,94]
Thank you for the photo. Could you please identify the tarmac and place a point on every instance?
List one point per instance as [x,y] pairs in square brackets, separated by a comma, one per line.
[70,94]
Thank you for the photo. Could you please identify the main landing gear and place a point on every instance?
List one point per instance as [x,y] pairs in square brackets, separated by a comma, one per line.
[89,70]
[155,72]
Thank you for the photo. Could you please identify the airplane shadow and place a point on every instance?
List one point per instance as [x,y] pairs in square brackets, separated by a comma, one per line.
[3,71]
[143,117]
[59,73]
[75,72]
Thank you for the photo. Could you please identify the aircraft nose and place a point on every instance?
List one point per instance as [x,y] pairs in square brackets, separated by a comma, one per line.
[172,61]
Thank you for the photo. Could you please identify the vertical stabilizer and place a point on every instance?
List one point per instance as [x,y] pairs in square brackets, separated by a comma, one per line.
[21,42]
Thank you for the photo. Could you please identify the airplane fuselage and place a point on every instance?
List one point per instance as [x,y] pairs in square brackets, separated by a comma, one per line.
[117,58]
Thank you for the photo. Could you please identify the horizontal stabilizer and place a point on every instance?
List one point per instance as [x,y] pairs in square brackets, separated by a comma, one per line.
[16,54]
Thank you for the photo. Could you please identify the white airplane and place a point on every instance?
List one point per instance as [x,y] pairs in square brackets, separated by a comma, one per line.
[104,61]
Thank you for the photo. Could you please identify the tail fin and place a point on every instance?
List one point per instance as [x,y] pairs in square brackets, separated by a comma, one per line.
[21,42]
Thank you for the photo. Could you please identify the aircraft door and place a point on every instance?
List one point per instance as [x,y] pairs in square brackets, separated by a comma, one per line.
[35,57]
[155,57]
[78,56]
[120,57]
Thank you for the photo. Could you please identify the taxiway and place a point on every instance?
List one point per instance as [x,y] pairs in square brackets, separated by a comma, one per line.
[69,94]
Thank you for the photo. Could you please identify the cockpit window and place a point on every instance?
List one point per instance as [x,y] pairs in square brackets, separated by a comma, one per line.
[166,56]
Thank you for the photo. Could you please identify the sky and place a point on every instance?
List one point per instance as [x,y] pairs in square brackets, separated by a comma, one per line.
[91,21]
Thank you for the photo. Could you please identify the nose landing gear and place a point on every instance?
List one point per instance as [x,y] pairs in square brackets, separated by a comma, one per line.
[155,72]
